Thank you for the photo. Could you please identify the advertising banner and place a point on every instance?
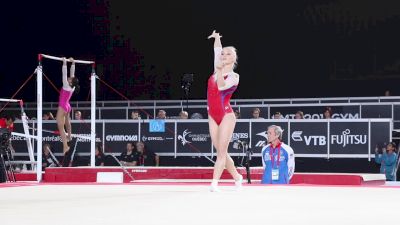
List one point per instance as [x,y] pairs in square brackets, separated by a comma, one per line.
[309,137]
[159,142]
[193,137]
[348,138]
[118,134]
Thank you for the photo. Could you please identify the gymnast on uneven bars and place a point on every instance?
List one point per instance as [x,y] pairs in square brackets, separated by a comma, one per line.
[70,85]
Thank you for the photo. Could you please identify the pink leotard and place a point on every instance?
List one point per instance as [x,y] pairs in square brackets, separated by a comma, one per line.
[63,101]
[66,91]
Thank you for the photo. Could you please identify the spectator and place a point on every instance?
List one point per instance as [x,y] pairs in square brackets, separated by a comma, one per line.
[299,115]
[278,115]
[196,116]
[100,157]
[7,122]
[256,113]
[387,93]
[328,113]
[78,115]
[48,159]
[237,114]
[48,116]
[277,158]
[146,157]
[161,114]
[387,159]
[183,115]
[135,115]
[130,157]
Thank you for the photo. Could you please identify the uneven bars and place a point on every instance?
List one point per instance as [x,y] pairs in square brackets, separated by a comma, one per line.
[24,135]
[35,137]
[58,133]
[9,100]
[68,60]
[19,162]
[80,136]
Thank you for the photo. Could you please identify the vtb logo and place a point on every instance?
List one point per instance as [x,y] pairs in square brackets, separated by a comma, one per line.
[309,140]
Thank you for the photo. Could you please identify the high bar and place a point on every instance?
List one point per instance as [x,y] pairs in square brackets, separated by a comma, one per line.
[9,100]
[68,60]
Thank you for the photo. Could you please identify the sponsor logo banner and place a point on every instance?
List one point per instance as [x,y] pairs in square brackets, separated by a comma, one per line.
[193,138]
[117,135]
[309,137]
[349,138]
[160,142]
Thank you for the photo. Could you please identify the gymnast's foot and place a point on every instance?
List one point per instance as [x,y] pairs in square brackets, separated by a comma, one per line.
[214,186]
[238,183]
[66,149]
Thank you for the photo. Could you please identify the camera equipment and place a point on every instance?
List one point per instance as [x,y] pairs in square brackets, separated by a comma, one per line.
[5,136]
[244,146]
[186,82]
[5,152]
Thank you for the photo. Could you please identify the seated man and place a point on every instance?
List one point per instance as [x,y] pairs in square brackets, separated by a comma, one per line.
[277,158]
[196,116]
[183,115]
[299,115]
[161,114]
[78,115]
[328,113]
[146,157]
[255,113]
[278,115]
[7,122]
[130,157]
[135,115]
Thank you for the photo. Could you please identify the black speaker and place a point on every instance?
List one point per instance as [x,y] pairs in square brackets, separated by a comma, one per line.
[110,161]
[3,177]
[5,136]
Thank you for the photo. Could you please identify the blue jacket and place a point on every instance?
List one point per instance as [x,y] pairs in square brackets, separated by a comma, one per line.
[285,165]
[388,164]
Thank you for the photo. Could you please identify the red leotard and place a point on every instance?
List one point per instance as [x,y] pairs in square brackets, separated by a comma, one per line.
[218,102]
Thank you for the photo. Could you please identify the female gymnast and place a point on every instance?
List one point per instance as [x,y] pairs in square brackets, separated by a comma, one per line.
[221,118]
[70,84]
